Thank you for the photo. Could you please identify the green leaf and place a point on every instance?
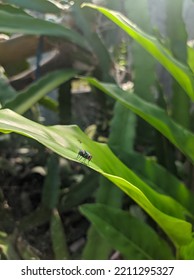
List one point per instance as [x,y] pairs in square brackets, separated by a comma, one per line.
[142,61]
[12,9]
[26,251]
[85,21]
[6,91]
[36,218]
[179,71]
[65,140]
[28,25]
[49,103]
[80,192]
[58,237]
[133,238]
[7,246]
[187,251]
[28,97]
[160,178]
[107,193]
[190,58]
[177,40]
[93,252]
[120,139]
[178,46]
[179,136]
[42,6]
[51,187]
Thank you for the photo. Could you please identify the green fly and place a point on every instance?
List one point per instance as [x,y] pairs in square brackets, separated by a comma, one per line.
[85,155]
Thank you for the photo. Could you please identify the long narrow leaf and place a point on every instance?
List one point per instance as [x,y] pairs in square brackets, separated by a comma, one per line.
[160,178]
[180,137]
[65,140]
[51,187]
[42,6]
[58,237]
[179,71]
[133,238]
[28,97]
[28,25]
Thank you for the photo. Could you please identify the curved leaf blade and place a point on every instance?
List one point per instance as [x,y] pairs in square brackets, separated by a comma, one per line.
[133,238]
[183,139]
[160,178]
[179,71]
[58,237]
[28,97]
[65,140]
[42,6]
[33,26]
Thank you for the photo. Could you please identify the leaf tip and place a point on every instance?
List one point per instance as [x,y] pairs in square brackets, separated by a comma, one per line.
[83,5]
